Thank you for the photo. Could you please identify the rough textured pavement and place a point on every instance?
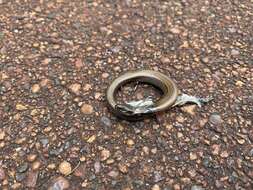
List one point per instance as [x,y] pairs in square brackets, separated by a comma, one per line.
[57,58]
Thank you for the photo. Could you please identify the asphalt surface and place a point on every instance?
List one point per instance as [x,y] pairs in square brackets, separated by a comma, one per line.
[58,57]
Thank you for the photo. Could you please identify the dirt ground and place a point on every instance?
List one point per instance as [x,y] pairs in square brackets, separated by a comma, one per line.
[57,57]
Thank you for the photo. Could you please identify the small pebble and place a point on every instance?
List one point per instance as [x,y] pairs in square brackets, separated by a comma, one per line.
[44,82]
[165,60]
[75,88]
[29,26]
[79,63]
[215,149]
[31,179]
[218,184]
[175,30]
[177,187]
[47,129]
[59,183]
[5,182]
[36,44]
[21,107]
[31,157]
[2,173]
[113,174]
[189,109]
[51,166]
[154,150]
[123,168]
[193,156]
[145,150]
[97,95]
[84,184]
[239,83]
[89,48]
[65,168]
[180,135]
[87,109]
[180,119]
[235,52]
[157,176]
[224,154]
[87,87]
[105,75]
[97,167]
[241,141]
[105,154]
[80,171]
[215,119]
[46,61]
[105,121]
[16,186]
[156,187]
[130,142]
[35,88]
[232,30]
[44,141]
[20,176]
[91,139]
[110,161]
[23,167]
[2,135]
[36,165]
[82,158]
[196,187]
[205,60]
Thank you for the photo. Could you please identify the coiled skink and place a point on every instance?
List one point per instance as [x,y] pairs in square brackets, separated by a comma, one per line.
[138,109]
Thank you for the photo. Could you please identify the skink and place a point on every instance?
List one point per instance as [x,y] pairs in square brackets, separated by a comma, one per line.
[139,109]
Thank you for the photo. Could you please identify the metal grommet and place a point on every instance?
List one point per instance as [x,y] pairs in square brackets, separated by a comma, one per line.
[147,107]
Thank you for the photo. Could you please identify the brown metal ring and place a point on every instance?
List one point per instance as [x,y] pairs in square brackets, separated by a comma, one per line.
[157,79]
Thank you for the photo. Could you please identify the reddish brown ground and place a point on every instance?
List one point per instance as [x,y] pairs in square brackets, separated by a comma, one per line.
[57,58]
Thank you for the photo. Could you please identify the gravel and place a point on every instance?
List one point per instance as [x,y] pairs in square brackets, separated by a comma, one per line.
[196,187]
[215,119]
[57,59]
[105,122]
[23,167]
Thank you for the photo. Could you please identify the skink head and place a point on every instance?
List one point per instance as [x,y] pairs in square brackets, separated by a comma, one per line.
[136,107]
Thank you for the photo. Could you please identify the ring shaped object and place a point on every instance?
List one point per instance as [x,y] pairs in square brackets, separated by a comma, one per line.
[154,78]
